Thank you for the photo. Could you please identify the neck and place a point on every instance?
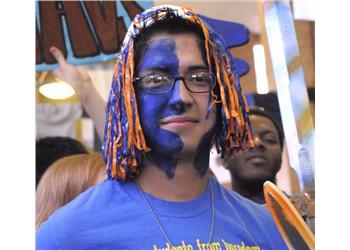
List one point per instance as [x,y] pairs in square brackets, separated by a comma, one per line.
[186,184]
[254,192]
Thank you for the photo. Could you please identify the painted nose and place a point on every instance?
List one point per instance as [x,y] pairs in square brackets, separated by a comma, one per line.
[181,97]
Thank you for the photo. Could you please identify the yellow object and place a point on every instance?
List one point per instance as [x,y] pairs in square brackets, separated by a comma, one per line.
[294,230]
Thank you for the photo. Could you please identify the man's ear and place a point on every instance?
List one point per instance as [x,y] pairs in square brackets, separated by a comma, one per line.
[225,163]
[222,162]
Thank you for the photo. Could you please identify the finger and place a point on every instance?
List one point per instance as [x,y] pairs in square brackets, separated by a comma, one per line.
[58,56]
[82,71]
[57,74]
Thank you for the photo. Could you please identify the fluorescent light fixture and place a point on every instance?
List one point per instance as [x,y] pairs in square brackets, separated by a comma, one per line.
[262,85]
[56,90]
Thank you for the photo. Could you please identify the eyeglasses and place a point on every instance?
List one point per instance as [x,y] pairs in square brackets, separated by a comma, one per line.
[162,83]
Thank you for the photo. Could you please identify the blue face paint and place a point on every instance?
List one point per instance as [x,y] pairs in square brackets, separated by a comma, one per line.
[164,144]
[160,54]
[201,161]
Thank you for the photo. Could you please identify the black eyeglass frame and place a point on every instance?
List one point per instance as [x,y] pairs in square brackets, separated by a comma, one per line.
[212,84]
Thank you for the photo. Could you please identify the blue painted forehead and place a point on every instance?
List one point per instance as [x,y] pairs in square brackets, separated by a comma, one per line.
[160,54]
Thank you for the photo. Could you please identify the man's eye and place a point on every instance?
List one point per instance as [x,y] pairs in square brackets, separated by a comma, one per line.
[270,140]
[199,78]
[155,80]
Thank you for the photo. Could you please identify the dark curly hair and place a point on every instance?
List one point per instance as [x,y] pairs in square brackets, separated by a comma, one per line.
[50,149]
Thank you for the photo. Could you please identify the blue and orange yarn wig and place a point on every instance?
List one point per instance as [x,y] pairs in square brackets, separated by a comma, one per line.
[124,143]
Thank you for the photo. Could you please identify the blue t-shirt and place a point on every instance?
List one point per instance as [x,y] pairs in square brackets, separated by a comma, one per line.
[114,216]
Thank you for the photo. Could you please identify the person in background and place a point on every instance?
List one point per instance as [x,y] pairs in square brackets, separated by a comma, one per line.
[175,93]
[81,82]
[64,180]
[50,149]
[250,169]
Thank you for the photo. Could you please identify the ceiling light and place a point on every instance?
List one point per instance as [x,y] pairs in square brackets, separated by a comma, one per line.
[262,85]
[56,90]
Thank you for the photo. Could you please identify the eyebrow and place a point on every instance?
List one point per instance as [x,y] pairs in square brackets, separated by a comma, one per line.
[155,69]
[197,67]
[166,70]
[267,132]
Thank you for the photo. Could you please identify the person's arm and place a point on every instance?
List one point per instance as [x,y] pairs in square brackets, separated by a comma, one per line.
[80,80]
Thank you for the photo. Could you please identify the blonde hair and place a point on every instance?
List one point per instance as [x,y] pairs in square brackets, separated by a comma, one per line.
[64,180]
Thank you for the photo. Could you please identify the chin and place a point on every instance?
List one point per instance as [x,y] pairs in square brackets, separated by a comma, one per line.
[165,142]
[260,178]
[189,148]
[168,149]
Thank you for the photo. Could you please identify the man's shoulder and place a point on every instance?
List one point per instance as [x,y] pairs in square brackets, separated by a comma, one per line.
[98,198]
[93,207]
[241,201]
[252,216]
[244,206]
[102,194]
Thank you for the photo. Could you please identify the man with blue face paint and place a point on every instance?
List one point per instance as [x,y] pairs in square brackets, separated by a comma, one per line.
[174,94]
[173,111]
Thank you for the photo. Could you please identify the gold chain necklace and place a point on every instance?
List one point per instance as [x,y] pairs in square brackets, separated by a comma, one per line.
[160,224]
